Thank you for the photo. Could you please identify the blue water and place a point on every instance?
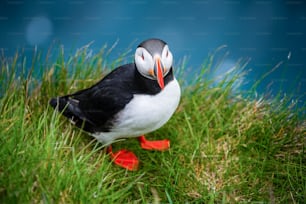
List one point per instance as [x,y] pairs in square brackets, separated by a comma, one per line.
[266,31]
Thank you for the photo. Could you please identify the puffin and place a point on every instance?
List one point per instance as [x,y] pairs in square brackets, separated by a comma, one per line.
[132,100]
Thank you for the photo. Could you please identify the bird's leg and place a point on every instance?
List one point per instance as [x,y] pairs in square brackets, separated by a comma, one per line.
[159,145]
[124,158]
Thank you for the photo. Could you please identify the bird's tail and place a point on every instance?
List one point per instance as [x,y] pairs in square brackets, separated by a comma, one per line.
[58,103]
[68,107]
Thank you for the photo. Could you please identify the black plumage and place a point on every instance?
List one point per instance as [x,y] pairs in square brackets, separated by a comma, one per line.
[94,109]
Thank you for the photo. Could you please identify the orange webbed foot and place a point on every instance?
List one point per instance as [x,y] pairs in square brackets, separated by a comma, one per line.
[124,159]
[159,145]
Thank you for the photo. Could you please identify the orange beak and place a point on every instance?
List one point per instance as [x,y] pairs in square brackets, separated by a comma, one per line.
[159,73]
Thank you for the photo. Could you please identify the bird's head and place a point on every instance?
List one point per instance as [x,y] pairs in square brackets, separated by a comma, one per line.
[153,60]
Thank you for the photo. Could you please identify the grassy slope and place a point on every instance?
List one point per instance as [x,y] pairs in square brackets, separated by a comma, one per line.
[224,148]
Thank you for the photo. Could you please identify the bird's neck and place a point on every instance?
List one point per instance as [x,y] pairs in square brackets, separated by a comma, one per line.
[151,86]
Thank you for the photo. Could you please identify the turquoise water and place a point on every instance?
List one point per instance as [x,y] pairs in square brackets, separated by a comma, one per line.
[266,32]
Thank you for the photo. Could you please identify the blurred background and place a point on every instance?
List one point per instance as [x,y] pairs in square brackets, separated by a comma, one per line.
[268,32]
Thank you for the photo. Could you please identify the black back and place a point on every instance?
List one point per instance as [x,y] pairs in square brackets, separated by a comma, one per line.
[94,109]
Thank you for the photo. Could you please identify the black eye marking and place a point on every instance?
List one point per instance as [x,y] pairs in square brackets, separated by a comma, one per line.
[167,53]
[142,56]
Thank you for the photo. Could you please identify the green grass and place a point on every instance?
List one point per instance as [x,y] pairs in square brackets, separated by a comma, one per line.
[224,149]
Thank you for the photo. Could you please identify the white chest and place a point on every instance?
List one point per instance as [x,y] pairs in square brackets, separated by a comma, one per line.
[144,114]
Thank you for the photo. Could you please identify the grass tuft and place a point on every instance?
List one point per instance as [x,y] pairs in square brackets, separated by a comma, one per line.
[225,148]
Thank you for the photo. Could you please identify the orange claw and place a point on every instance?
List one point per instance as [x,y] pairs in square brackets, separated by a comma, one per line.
[124,159]
[159,145]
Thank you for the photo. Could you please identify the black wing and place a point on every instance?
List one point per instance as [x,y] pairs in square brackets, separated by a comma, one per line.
[93,109]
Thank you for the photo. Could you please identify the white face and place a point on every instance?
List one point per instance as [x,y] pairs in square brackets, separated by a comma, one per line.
[146,63]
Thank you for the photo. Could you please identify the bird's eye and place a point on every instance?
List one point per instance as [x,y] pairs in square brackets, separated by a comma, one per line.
[142,56]
[167,53]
